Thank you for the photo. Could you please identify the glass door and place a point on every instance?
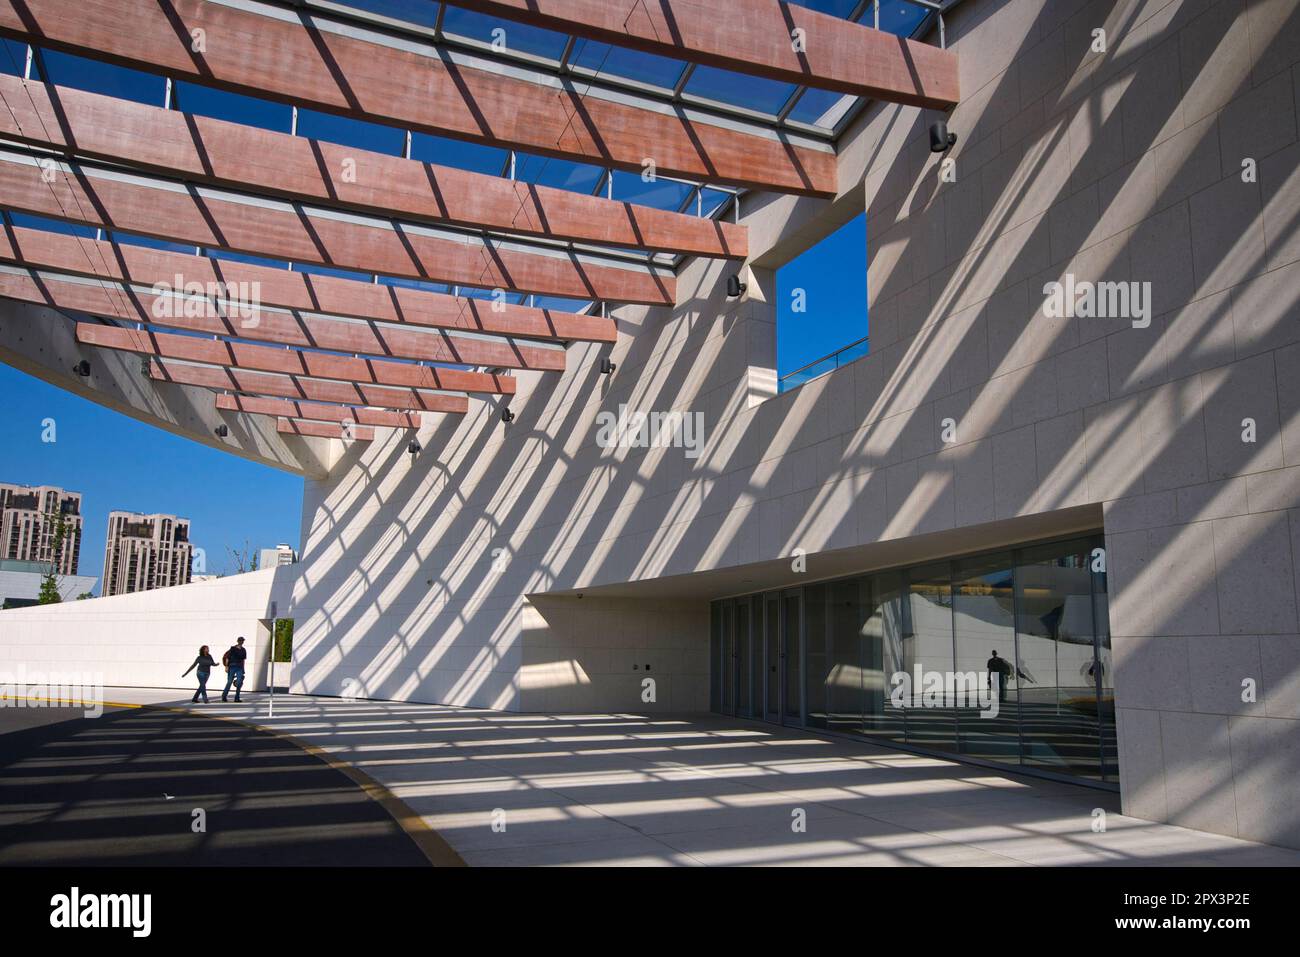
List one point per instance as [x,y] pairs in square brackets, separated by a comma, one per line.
[772,658]
[728,658]
[744,679]
[791,657]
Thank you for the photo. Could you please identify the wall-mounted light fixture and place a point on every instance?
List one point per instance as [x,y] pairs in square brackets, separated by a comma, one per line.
[940,139]
[414,447]
[507,415]
[82,369]
[607,367]
[221,431]
[735,288]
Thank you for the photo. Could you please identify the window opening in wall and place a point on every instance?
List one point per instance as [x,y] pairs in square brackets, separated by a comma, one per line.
[821,316]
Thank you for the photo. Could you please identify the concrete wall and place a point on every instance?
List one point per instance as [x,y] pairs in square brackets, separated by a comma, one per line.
[596,654]
[147,639]
[1127,167]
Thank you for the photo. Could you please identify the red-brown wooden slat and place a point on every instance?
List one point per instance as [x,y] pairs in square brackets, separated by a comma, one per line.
[291,289]
[319,411]
[203,216]
[206,150]
[265,325]
[301,387]
[298,57]
[240,355]
[756,37]
[325,430]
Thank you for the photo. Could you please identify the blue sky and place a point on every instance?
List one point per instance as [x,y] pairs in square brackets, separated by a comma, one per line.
[115,461]
[833,276]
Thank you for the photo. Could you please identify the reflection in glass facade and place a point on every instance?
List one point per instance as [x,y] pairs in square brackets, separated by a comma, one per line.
[1001,657]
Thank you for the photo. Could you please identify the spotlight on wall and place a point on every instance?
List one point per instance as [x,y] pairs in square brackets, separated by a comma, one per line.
[607,367]
[735,288]
[507,415]
[414,447]
[82,369]
[940,139]
[221,431]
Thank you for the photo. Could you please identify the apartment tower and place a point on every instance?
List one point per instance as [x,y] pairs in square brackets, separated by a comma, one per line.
[145,551]
[29,523]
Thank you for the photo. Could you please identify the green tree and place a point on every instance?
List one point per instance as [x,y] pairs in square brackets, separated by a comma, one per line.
[49,593]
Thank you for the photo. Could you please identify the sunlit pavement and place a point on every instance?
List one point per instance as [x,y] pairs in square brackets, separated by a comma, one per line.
[521,789]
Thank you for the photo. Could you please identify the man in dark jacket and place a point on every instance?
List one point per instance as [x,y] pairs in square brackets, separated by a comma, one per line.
[233,660]
[999,666]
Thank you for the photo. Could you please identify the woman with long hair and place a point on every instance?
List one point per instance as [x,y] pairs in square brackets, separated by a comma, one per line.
[204,663]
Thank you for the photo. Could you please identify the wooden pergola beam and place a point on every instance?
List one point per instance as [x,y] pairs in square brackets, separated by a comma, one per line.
[756,37]
[310,60]
[295,362]
[302,388]
[218,219]
[216,152]
[292,289]
[263,324]
[325,430]
[315,411]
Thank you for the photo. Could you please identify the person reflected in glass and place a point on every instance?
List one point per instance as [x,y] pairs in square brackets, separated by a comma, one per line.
[999,666]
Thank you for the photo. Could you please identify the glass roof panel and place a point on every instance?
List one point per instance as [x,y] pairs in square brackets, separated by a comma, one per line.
[661,194]
[821,108]
[232,107]
[422,284]
[13,58]
[150,243]
[607,61]
[96,76]
[898,17]
[470,292]
[245,258]
[559,304]
[459,153]
[512,38]
[836,8]
[28,221]
[423,12]
[346,131]
[562,174]
[713,200]
[739,89]
[318,270]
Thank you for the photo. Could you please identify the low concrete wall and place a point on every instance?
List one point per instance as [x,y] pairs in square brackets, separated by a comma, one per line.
[148,638]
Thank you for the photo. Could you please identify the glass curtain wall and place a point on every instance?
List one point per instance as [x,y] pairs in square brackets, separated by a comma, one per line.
[984,632]
[1001,657]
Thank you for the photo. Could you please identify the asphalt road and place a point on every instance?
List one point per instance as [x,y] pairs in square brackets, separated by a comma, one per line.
[139,786]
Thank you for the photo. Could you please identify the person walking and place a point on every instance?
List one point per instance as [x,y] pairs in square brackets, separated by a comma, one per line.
[204,663]
[233,660]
